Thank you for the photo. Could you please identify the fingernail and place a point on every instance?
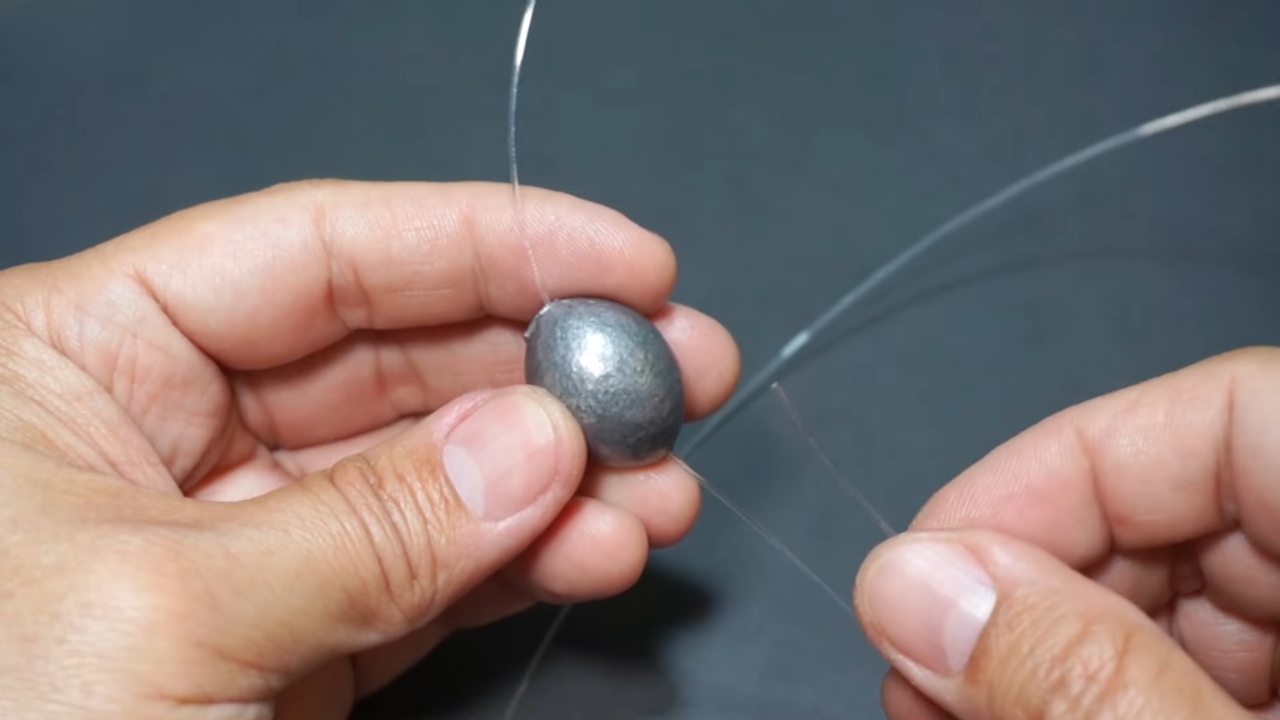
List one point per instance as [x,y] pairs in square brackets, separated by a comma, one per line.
[502,457]
[931,601]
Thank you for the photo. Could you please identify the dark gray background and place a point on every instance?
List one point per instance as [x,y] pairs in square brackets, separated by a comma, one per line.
[786,149]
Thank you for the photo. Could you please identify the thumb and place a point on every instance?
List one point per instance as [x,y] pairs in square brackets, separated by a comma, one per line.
[383,542]
[991,628]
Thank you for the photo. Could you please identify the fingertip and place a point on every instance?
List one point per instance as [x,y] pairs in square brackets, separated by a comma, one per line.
[571,442]
[681,505]
[925,601]
[886,551]
[581,248]
[592,551]
[664,497]
[983,622]
[709,359]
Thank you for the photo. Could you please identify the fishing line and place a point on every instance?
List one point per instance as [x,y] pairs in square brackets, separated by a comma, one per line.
[761,380]
[517,63]
[767,376]
[558,622]
[768,536]
[522,41]
[836,475]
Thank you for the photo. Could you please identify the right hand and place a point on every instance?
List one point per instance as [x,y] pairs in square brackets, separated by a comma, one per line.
[1118,561]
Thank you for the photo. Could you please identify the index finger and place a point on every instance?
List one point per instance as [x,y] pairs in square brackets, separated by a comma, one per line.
[268,277]
[1164,462]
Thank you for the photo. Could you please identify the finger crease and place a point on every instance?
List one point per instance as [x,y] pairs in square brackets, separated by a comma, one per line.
[1225,477]
[254,412]
[347,297]
[479,272]
[368,539]
[398,379]
[1085,446]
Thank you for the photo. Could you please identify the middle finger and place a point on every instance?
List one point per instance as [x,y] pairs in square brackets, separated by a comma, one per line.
[369,380]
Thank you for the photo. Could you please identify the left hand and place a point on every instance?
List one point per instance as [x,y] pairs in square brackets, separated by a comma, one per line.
[303,355]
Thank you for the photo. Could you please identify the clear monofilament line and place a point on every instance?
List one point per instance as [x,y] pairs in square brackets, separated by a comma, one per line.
[522,41]
[772,370]
[536,661]
[517,63]
[545,645]
[762,532]
[831,466]
[851,299]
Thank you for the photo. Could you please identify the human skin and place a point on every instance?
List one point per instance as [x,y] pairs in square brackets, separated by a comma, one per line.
[262,455]
[230,481]
[1119,560]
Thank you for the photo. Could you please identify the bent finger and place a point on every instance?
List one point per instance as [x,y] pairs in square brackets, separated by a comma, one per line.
[268,277]
[591,551]
[382,543]
[992,628]
[370,379]
[664,497]
[1176,458]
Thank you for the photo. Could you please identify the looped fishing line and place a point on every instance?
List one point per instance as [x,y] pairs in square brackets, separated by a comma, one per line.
[768,376]
[836,475]
[752,388]
[522,42]
[545,644]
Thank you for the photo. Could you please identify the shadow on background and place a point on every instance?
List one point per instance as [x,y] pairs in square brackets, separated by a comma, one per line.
[472,674]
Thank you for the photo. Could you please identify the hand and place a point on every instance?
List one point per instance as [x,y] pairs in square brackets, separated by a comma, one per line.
[1120,560]
[315,356]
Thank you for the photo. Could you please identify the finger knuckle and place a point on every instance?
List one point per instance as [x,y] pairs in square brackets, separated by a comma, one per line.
[1085,678]
[396,530]
[1080,668]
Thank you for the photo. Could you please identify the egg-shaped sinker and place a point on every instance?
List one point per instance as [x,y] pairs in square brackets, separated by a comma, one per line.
[616,374]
